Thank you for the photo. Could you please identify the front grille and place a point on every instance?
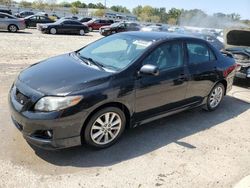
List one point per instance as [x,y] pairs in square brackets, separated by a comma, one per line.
[21,98]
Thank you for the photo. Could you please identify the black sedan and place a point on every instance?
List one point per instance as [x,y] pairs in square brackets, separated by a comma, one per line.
[64,26]
[119,27]
[32,21]
[91,95]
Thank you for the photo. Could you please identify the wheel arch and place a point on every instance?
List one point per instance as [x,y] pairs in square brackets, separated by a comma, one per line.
[224,82]
[14,25]
[119,105]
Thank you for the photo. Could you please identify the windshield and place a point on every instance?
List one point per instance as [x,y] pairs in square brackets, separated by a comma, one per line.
[116,24]
[115,52]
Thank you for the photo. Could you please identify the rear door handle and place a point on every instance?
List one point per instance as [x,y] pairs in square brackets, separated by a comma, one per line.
[182,77]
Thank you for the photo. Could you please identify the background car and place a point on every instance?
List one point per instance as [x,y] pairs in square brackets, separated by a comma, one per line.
[84,19]
[97,23]
[11,23]
[7,11]
[155,27]
[237,42]
[24,14]
[32,21]
[119,27]
[64,26]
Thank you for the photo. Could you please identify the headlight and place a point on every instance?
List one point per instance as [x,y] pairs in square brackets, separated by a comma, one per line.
[47,104]
[44,26]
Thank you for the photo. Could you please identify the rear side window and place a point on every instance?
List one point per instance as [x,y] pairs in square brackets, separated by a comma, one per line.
[199,53]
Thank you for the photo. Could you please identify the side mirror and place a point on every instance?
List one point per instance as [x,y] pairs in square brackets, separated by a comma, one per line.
[150,70]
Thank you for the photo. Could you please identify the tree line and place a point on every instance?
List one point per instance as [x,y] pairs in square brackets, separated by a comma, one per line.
[146,13]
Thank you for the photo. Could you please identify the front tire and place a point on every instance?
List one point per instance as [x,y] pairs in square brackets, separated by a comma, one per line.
[13,28]
[215,97]
[53,31]
[105,127]
[82,32]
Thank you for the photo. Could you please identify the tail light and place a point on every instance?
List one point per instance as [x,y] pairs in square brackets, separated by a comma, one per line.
[229,70]
[22,21]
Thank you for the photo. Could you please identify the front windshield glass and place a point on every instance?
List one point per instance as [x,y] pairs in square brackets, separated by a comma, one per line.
[115,24]
[115,52]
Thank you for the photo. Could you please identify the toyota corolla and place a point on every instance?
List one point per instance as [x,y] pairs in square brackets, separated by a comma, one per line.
[91,95]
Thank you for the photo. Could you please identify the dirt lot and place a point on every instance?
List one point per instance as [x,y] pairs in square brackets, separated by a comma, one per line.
[190,149]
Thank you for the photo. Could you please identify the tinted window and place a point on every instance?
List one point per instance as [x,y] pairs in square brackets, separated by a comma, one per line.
[42,18]
[97,21]
[166,56]
[75,23]
[197,53]
[5,16]
[66,22]
[34,18]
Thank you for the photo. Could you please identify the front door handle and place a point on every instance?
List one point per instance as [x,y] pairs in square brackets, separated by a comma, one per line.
[182,77]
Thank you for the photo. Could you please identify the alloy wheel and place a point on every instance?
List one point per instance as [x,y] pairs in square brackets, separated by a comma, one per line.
[106,128]
[13,28]
[216,96]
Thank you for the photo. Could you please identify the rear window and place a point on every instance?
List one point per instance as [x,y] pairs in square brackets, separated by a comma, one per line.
[238,38]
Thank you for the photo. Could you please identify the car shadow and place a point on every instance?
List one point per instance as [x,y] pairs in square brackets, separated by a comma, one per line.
[18,32]
[147,138]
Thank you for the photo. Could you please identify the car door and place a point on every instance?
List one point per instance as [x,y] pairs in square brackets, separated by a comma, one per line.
[66,27]
[202,69]
[33,21]
[77,26]
[43,19]
[3,23]
[158,94]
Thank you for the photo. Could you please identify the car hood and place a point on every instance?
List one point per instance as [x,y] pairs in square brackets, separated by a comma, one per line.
[107,27]
[237,37]
[62,75]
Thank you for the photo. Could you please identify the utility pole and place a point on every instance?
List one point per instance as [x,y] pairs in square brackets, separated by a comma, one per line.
[105,3]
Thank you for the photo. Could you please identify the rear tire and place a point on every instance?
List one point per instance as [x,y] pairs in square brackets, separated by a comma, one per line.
[53,31]
[12,28]
[82,32]
[105,127]
[215,97]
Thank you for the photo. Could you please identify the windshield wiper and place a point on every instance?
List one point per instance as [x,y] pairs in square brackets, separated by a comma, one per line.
[90,60]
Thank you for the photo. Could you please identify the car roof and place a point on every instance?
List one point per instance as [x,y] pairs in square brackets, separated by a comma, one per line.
[157,35]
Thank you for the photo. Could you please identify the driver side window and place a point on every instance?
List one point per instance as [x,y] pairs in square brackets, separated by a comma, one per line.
[166,56]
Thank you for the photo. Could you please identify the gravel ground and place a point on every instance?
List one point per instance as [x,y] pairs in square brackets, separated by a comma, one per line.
[190,149]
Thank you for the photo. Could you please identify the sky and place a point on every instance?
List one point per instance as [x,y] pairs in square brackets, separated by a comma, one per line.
[241,7]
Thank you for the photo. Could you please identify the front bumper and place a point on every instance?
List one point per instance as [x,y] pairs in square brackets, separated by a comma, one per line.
[65,126]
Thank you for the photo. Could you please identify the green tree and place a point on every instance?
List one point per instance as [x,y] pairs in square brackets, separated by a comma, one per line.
[119,8]
[76,4]
[74,10]
[99,12]
[65,4]
[52,4]
[100,6]
[25,4]
[137,10]
[7,3]
[91,5]
[38,4]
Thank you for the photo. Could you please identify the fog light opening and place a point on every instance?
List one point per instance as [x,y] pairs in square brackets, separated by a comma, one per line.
[44,134]
[49,133]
